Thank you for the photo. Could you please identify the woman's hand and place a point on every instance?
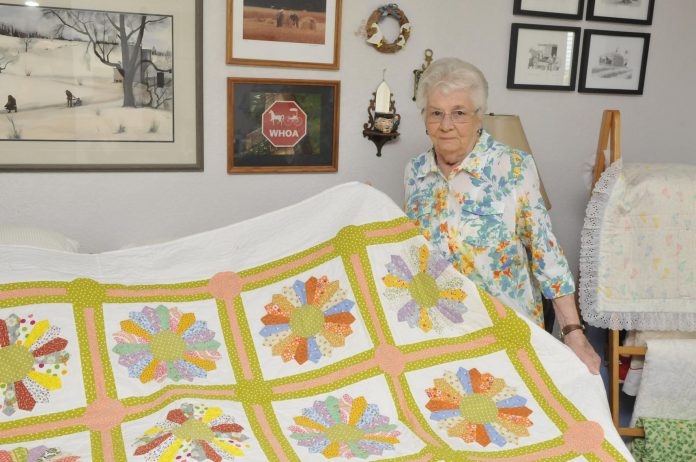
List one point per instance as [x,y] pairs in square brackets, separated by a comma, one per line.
[577,341]
[567,314]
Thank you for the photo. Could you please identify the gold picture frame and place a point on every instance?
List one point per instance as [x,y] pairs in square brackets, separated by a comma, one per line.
[285,33]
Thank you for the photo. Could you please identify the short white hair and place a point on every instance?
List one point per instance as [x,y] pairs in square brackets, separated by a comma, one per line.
[453,74]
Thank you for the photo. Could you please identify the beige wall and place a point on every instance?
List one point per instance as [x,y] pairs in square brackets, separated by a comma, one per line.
[108,210]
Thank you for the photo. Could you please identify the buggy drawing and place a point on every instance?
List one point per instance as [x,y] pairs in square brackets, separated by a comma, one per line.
[294,117]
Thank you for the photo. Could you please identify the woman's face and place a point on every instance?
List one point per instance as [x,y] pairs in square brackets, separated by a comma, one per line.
[452,137]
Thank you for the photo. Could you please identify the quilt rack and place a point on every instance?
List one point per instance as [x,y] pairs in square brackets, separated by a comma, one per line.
[610,137]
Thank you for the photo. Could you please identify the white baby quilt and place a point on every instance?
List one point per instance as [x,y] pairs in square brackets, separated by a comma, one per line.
[638,253]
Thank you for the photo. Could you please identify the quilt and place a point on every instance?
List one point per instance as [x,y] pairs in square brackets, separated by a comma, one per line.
[638,255]
[327,330]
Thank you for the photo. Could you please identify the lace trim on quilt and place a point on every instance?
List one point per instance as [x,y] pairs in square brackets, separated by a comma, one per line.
[590,241]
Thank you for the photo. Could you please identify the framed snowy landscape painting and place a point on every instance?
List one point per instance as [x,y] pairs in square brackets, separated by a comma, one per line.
[101,85]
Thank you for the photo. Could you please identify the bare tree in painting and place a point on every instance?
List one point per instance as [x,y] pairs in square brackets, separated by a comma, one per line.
[27,41]
[107,32]
[6,58]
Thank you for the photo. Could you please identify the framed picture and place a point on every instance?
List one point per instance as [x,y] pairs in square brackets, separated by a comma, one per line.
[101,85]
[278,126]
[613,62]
[290,33]
[628,11]
[563,9]
[543,57]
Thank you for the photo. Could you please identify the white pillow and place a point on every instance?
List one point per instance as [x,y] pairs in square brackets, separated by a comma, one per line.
[36,237]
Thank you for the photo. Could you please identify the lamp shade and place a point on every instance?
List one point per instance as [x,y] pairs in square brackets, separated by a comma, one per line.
[507,129]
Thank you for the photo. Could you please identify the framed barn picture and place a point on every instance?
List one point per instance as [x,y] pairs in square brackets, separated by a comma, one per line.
[101,85]
[282,126]
[626,11]
[613,62]
[543,57]
[287,33]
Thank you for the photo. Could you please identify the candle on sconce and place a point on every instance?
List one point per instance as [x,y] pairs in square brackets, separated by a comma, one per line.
[382,98]
[383,120]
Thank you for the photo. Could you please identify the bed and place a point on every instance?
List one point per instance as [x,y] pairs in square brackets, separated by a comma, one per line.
[326,330]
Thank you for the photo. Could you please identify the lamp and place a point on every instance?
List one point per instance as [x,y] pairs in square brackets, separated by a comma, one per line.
[507,129]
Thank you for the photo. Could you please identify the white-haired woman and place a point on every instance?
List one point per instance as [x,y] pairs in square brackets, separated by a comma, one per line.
[478,202]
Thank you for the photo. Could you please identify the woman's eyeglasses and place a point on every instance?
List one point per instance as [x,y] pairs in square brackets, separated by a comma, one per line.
[458,116]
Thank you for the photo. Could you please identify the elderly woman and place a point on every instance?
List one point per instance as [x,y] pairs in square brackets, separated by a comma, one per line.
[478,202]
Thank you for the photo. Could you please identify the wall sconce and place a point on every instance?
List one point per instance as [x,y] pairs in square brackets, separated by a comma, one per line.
[507,129]
[383,120]
[418,72]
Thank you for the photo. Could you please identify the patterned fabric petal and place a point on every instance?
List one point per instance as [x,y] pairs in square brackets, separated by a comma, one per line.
[463,376]
[313,350]
[495,437]
[4,334]
[300,291]
[437,265]
[449,313]
[408,312]
[144,322]
[515,401]
[341,307]
[399,268]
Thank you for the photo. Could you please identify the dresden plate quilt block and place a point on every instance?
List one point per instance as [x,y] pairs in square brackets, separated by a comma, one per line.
[343,338]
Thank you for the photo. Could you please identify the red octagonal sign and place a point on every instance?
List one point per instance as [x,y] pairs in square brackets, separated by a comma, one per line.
[284,124]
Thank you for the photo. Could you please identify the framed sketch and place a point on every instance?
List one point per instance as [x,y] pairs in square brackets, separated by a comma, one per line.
[613,62]
[289,33]
[563,9]
[543,57]
[278,126]
[627,11]
[101,85]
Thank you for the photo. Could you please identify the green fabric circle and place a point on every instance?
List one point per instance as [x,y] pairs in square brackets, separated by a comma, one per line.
[343,433]
[194,429]
[424,290]
[478,409]
[307,321]
[15,363]
[167,346]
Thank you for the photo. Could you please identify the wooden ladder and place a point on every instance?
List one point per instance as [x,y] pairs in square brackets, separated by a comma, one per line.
[610,136]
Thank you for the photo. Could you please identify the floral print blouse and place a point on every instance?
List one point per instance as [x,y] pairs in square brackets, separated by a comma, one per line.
[490,220]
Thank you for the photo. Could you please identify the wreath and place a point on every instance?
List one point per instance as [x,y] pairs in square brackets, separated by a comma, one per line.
[374,34]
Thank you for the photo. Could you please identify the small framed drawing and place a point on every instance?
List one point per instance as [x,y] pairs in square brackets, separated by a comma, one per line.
[627,11]
[101,85]
[286,33]
[613,62]
[562,9]
[279,126]
[543,57]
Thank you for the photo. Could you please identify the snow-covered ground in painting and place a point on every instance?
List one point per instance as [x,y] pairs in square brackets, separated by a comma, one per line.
[38,80]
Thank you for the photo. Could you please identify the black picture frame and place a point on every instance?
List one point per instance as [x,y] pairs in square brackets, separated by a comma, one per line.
[608,62]
[623,11]
[561,9]
[252,125]
[544,64]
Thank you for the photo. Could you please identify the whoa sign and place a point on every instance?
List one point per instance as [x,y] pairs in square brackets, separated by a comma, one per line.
[284,124]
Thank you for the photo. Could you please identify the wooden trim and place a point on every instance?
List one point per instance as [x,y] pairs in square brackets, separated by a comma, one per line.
[632,431]
[610,138]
